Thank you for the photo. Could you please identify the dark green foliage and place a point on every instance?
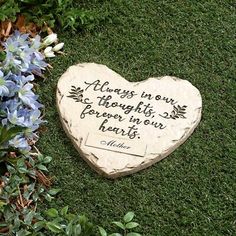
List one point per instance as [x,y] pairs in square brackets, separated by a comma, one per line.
[193,191]
[6,134]
[124,227]
[66,13]
[64,223]
[28,221]
[8,9]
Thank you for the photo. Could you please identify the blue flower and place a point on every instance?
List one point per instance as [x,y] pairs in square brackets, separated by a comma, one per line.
[25,93]
[22,54]
[16,118]
[6,85]
[24,117]
[37,63]
[16,41]
[20,142]
[34,119]
[19,105]
[36,43]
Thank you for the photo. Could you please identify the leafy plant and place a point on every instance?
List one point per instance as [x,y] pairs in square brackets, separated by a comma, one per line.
[8,9]
[65,12]
[126,227]
[64,223]
[23,180]
[8,133]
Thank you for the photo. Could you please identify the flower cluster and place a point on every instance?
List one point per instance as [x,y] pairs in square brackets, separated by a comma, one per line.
[50,51]
[19,104]
[22,55]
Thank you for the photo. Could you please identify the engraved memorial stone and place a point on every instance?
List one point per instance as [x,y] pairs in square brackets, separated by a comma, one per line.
[120,127]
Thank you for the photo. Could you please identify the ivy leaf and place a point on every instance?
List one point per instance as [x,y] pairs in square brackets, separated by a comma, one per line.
[54,227]
[7,134]
[64,210]
[47,159]
[102,231]
[133,234]
[2,56]
[54,191]
[23,233]
[131,225]
[77,229]
[20,162]
[2,204]
[23,170]
[129,216]
[48,197]
[29,217]
[119,224]
[70,217]
[40,158]
[42,167]
[52,212]
[69,229]
[39,225]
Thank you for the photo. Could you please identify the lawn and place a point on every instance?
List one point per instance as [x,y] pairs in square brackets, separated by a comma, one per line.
[193,191]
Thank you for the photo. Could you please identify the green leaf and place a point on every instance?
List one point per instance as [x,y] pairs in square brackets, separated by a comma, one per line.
[128,217]
[23,233]
[70,216]
[64,210]
[52,212]
[48,197]
[119,224]
[3,225]
[54,191]
[47,159]
[22,170]
[102,231]
[8,134]
[20,162]
[69,229]
[131,225]
[133,234]
[29,217]
[39,225]
[2,204]
[42,167]
[40,158]
[83,219]
[54,227]
[77,229]
[2,55]
[115,234]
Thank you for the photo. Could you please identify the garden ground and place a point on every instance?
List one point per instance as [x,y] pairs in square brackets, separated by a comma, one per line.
[193,191]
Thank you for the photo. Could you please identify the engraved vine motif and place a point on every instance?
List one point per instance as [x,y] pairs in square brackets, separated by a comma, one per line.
[177,112]
[76,93]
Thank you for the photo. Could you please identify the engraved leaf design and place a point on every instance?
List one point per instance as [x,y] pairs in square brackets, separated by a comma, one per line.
[76,93]
[177,112]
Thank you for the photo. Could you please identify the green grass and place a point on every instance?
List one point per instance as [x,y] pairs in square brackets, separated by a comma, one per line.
[193,191]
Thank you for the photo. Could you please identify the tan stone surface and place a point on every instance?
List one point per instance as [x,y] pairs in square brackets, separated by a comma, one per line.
[168,117]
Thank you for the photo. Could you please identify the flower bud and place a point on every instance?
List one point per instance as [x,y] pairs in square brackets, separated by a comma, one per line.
[49,54]
[48,49]
[51,38]
[58,47]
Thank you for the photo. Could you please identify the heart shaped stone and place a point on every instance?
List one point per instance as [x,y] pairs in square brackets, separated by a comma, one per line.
[120,127]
